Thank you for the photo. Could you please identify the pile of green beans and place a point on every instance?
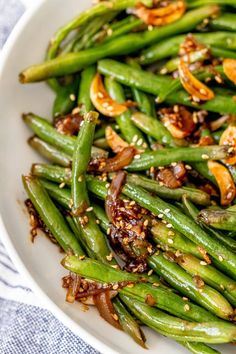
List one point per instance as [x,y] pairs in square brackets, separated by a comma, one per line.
[165,251]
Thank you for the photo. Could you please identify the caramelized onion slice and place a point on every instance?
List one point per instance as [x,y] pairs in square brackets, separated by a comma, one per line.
[192,85]
[229,138]
[102,101]
[179,121]
[114,164]
[163,15]
[224,181]
[113,194]
[116,143]
[229,67]
[106,309]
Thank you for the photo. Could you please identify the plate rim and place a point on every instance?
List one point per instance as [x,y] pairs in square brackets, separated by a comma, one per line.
[65,319]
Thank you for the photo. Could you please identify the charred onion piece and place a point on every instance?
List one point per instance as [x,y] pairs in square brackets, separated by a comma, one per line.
[162,15]
[113,194]
[229,67]
[114,164]
[106,309]
[174,176]
[178,120]
[224,181]
[229,138]
[69,124]
[192,85]
[116,143]
[102,101]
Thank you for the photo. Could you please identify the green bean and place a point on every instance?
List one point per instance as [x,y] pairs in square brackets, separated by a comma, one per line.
[84,101]
[178,329]
[209,275]
[219,219]
[170,47]
[202,168]
[184,225]
[51,216]
[196,195]
[125,26]
[51,153]
[65,99]
[153,127]
[192,4]
[61,195]
[172,64]
[226,21]
[193,212]
[45,131]
[74,62]
[161,235]
[208,297]
[198,348]
[81,158]
[128,323]
[164,298]
[166,156]
[91,29]
[151,83]
[127,128]
[85,17]
[101,216]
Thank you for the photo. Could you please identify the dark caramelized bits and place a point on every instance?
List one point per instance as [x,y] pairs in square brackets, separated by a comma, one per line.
[174,176]
[37,223]
[69,124]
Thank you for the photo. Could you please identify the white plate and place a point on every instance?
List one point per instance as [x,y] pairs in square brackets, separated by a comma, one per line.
[40,263]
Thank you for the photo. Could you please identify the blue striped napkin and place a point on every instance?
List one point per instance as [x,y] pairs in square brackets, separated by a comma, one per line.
[26,327]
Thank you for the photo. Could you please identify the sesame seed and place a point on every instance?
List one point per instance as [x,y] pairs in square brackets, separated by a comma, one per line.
[108,231]
[115,266]
[145,222]
[203,91]
[80,179]
[161,183]
[89,209]
[107,185]
[135,138]
[222,286]
[62,185]
[150,272]
[82,257]
[229,195]
[166,211]
[174,164]
[109,32]
[221,258]
[169,226]
[76,110]
[203,263]
[105,104]
[149,249]
[72,97]
[139,142]
[163,221]
[231,149]
[115,287]
[132,203]
[137,157]
[130,285]
[170,241]
[150,28]
[156,284]
[188,167]
[185,298]
[110,257]
[110,108]
[116,318]
[97,221]
[71,203]
[171,233]
[186,307]
[160,216]
[205,157]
